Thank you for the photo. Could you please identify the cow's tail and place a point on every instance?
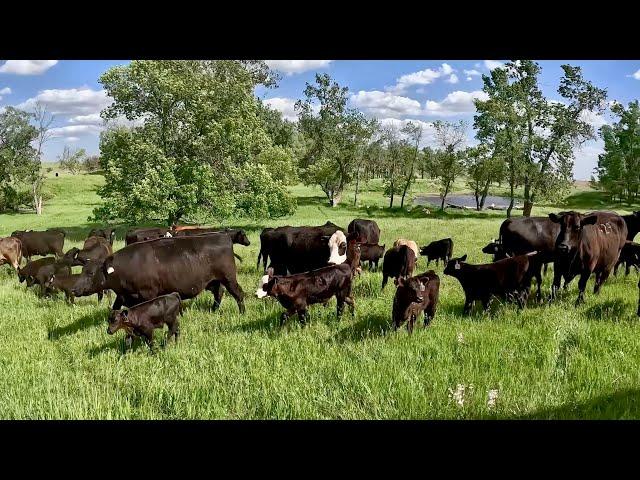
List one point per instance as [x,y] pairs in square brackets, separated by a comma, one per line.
[237,256]
[258,262]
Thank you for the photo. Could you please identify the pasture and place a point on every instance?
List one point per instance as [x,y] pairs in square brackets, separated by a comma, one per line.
[546,361]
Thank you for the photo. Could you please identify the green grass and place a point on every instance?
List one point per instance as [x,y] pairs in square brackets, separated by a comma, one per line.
[57,361]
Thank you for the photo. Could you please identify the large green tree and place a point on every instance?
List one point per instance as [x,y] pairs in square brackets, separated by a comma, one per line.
[194,152]
[335,137]
[448,162]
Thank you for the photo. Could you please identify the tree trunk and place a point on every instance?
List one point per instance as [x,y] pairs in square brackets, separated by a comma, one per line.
[528,206]
[335,198]
[510,203]
[444,197]
[38,204]
[391,201]
[528,203]
[485,192]
[355,197]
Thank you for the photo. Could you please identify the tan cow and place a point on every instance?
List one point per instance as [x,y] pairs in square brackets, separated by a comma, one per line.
[10,251]
[409,243]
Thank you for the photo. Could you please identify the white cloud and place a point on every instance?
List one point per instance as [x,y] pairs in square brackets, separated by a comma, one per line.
[453,78]
[286,106]
[592,118]
[427,128]
[91,119]
[72,139]
[469,79]
[491,64]
[586,159]
[72,101]
[472,73]
[297,66]
[386,104]
[5,91]
[455,103]
[75,130]
[423,77]
[27,67]
[635,75]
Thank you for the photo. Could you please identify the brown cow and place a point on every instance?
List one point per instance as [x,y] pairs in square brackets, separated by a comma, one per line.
[409,243]
[413,296]
[398,262]
[11,252]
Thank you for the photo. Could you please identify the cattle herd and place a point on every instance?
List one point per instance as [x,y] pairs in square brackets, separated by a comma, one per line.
[161,267]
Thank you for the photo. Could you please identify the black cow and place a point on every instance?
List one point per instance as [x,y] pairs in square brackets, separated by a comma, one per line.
[633,224]
[301,249]
[630,256]
[29,271]
[63,283]
[438,250]
[268,237]
[106,233]
[144,270]
[238,236]
[398,262]
[372,253]
[44,274]
[365,231]
[588,243]
[296,292]
[142,319]
[136,235]
[509,279]
[40,243]
[413,296]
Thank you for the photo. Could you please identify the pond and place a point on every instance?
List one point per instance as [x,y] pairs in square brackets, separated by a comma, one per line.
[464,201]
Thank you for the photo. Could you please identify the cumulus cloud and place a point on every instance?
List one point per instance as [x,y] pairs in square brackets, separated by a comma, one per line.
[472,73]
[72,101]
[586,159]
[635,75]
[453,78]
[423,77]
[27,67]
[5,91]
[386,104]
[427,128]
[75,130]
[594,119]
[286,106]
[491,64]
[91,119]
[455,103]
[291,67]
[72,139]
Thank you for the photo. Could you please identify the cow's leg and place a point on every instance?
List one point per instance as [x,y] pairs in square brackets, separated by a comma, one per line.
[546,266]
[352,304]
[486,301]
[603,278]
[118,302]
[468,303]
[303,316]
[429,314]
[340,306]
[128,341]
[215,287]
[615,269]
[582,285]
[555,286]
[412,319]
[384,280]
[231,284]
[627,270]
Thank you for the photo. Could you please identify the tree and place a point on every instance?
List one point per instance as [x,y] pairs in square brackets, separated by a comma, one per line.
[335,137]
[194,154]
[43,121]
[369,155]
[392,161]
[484,167]
[618,167]
[91,163]
[448,162]
[18,158]
[72,161]
[414,133]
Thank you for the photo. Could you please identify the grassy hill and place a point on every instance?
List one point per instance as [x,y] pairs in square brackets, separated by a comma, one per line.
[556,361]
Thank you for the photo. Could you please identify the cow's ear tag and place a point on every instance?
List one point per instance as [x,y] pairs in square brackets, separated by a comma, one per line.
[457,266]
[422,287]
[110,270]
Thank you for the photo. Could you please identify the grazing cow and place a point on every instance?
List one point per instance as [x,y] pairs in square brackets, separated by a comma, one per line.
[136,235]
[106,233]
[63,283]
[589,243]
[301,249]
[142,319]
[372,253]
[238,236]
[266,238]
[296,292]
[509,278]
[144,270]
[633,224]
[29,271]
[413,296]
[365,231]
[94,248]
[409,243]
[40,243]
[11,252]
[438,250]
[398,262]
[630,256]
[45,272]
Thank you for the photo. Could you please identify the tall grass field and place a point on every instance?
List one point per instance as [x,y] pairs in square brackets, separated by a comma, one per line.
[544,362]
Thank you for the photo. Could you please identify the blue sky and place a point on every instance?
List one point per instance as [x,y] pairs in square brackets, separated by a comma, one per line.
[391,90]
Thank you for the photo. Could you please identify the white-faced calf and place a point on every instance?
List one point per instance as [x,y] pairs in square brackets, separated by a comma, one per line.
[142,319]
[413,296]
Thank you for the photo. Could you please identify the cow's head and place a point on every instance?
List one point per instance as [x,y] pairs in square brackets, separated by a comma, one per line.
[268,285]
[337,247]
[71,257]
[413,289]
[21,276]
[92,278]
[117,320]
[571,225]
[240,237]
[496,249]
[454,266]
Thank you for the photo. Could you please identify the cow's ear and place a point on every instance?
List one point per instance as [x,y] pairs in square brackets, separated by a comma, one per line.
[554,218]
[590,220]
[463,258]
[270,271]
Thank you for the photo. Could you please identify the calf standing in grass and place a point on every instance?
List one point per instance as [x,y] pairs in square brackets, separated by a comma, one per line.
[413,296]
[372,253]
[398,262]
[507,278]
[630,256]
[142,319]
[296,292]
[438,250]
[63,283]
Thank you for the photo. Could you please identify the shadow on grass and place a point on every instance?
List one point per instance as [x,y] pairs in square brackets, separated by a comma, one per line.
[609,311]
[622,404]
[82,323]
[371,326]
[118,344]
[269,324]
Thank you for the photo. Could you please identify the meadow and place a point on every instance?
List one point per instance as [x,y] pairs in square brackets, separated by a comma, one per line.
[547,361]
